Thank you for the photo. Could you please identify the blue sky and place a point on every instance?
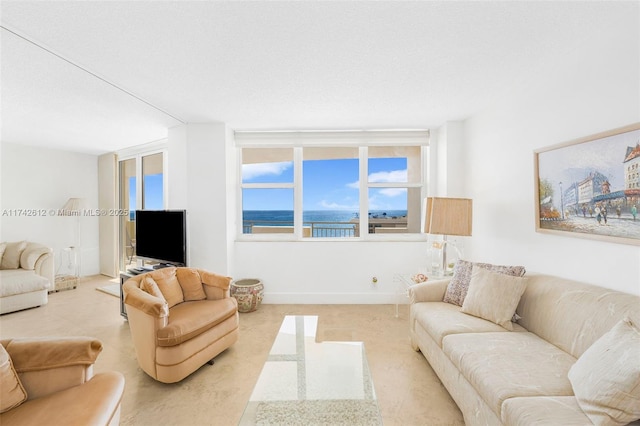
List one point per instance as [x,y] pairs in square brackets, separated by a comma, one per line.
[327,185]
[152,191]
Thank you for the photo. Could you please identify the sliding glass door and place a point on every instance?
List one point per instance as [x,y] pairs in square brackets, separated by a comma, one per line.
[141,186]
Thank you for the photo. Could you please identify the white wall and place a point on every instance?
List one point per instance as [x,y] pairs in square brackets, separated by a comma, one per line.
[197,167]
[328,272]
[601,91]
[44,179]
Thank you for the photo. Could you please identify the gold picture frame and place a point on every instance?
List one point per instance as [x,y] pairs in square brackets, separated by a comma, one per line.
[590,187]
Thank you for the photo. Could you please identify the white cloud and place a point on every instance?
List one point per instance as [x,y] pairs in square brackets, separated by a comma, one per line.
[393,176]
[252,171]
[392,192]
[335,206]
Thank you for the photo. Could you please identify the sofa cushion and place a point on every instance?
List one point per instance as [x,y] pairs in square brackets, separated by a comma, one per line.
[11,256]
[191,284]
[543,411]
[441,319]
[20,281]
[459,284]
[169,285]
[190,319]
[493,296]
[606,377]
[507,365]
[3,247]
[572,315]
[12,392]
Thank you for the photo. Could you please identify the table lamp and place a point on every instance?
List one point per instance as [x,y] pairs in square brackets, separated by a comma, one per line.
[447,216]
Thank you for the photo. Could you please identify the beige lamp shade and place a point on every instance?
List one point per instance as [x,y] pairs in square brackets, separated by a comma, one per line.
[72,206]
[448,216]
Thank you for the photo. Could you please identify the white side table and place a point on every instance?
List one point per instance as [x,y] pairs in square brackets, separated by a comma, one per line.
[402,282]
[67,273]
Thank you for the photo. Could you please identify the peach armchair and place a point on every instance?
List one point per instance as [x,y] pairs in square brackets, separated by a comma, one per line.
[50,381]
[180,319]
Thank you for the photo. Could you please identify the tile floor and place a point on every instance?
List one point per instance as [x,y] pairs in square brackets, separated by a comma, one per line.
[408,391]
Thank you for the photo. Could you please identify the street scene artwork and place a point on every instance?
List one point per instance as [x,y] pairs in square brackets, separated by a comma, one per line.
[591,187]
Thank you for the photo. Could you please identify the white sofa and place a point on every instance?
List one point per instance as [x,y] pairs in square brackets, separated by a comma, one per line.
[521,377]
[26,273]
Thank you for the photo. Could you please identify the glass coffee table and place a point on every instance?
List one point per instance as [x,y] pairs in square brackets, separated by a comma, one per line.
[307,382]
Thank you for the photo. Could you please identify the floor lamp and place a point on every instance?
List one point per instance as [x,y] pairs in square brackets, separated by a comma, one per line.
[73,207]
[447,216]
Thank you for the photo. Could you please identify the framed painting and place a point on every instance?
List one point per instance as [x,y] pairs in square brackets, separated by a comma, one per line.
[590,187]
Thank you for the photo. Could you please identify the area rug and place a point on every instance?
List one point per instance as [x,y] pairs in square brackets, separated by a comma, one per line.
[325,412]
[112,289]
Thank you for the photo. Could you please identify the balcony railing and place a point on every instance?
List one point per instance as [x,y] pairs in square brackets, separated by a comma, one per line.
[310,229]
[326,229]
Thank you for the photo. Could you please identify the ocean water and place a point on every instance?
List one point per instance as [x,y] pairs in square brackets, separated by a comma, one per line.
[285,217]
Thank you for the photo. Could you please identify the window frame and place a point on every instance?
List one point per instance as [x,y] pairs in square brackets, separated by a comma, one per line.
[356,139]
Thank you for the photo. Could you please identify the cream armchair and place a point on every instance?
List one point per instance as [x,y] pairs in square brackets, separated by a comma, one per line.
[180,319]
[56,374]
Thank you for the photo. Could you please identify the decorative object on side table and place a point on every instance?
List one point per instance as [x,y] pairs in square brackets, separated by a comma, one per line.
[446,216]
[419,278]
[249,293]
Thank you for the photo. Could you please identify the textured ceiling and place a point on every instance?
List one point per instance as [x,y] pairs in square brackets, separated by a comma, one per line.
[276,65]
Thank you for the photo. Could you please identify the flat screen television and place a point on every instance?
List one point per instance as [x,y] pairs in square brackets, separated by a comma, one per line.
[161,235]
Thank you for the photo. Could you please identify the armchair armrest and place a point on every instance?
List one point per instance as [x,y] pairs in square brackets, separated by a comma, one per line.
[430,291]
[143,301]
[215,286]
[48,365]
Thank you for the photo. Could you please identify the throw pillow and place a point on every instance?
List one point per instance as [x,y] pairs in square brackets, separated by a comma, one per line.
[606,377]
[12,392]
[150,286]
[3,246]
[493,296]
[169,285]
[191,284]
[11,256]
[459,284]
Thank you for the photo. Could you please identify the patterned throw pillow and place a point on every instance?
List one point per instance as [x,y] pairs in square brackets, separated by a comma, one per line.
[459,284]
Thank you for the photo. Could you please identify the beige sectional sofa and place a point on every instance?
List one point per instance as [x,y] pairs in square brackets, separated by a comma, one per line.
[26,273]
[522,377]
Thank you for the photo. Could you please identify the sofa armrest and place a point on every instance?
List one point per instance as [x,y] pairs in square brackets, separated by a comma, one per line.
[48,365]
[32,253]
[430,291]
[138,299]
[215,286]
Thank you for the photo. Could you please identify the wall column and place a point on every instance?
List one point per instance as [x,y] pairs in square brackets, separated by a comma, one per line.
[197,173]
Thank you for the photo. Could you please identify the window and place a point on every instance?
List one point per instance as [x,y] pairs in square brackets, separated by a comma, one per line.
[142,186]
[331,185]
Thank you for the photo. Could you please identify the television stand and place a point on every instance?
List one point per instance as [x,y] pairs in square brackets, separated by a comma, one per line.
[162,265]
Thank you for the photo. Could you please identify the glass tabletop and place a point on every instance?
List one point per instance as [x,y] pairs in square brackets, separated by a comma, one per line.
[308,382]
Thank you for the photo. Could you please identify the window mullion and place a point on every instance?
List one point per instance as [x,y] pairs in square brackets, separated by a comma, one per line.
[297,192]
[364,191]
